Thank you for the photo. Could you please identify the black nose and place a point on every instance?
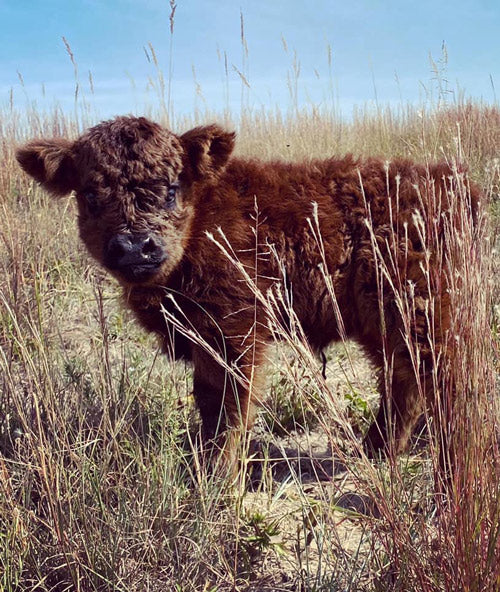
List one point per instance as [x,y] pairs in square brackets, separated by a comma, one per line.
[135,255]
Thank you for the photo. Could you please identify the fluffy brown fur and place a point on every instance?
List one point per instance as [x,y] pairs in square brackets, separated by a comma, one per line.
[125,174]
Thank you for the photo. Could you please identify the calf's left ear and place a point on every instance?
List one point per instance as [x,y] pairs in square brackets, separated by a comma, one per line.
[50,163]
[206,150]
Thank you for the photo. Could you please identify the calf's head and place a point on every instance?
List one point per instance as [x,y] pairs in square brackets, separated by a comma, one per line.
[137,186]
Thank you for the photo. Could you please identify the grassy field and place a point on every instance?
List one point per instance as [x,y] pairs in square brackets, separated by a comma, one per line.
[100,487]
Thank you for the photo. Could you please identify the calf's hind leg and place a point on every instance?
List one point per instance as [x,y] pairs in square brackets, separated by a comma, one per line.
[401,404]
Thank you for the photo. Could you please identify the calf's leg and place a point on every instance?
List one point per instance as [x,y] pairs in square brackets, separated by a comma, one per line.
[225,400]
[401,405]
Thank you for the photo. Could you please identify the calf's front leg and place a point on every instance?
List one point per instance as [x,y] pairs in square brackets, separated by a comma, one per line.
[226,401]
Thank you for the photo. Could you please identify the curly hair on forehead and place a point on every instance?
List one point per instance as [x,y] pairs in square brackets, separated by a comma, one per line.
[128,150]
[124,130]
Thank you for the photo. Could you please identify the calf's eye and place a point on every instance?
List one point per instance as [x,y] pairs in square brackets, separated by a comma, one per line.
[171,195]
[92,203]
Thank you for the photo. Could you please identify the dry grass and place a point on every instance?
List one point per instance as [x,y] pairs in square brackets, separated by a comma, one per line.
[99,485]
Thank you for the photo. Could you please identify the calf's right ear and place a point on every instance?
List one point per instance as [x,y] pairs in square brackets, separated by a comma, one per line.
[50,163]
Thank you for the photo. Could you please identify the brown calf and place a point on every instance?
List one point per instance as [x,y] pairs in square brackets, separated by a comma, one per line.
[148,200]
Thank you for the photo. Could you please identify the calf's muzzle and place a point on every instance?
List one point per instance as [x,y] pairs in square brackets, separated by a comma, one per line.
[136,257]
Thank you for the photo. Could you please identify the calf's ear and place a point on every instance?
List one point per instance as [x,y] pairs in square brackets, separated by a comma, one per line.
[50,163]
[206,150]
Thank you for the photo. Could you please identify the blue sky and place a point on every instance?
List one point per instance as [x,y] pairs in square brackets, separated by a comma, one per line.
[380,49]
